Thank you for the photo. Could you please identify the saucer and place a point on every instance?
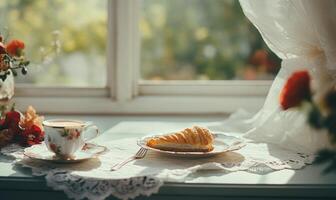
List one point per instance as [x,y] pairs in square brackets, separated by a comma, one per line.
[222,144]
[40,152]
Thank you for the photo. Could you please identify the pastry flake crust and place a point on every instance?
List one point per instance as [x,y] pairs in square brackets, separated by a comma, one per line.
[195,139]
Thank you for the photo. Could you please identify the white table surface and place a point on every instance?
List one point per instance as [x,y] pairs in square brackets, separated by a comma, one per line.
[128,126]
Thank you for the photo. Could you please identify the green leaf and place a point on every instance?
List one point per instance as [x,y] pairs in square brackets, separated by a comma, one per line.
[324,156]
[330,123]
[327,156]
[315,118]
[14,72]
[26,63]
[13,107]
[24,70]
[3,77]
[331,167]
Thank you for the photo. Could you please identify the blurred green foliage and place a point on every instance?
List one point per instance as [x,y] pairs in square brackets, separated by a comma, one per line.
[198,39]
[77,27]
[180,40]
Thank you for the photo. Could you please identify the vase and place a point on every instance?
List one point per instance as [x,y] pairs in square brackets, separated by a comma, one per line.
[6,89]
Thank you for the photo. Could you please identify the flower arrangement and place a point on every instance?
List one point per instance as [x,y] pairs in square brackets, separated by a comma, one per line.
[12,58]
[321,112]
[23,129]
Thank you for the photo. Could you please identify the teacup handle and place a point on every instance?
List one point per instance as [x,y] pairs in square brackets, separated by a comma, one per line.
[90,131]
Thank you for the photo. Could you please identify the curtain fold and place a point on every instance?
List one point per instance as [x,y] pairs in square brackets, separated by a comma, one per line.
[303,34]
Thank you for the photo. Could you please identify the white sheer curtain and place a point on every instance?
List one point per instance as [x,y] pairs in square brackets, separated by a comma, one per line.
[303,34]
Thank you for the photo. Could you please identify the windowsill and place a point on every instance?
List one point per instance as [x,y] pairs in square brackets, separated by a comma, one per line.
[284,184]
[188,104]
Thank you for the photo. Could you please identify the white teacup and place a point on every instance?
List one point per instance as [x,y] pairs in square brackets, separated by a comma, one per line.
[65,137]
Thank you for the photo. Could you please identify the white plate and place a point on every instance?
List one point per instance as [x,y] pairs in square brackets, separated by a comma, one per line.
[222,143]
[40,152]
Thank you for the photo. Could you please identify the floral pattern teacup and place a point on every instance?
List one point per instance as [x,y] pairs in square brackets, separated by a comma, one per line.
[65,137]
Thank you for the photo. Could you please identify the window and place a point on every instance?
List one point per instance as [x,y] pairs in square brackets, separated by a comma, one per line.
[201,40]
[162,56]
[65,40]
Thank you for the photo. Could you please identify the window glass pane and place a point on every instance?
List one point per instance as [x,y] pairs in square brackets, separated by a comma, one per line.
[201,40]
[76,28]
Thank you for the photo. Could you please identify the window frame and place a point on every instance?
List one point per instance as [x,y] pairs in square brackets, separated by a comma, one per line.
[125,93]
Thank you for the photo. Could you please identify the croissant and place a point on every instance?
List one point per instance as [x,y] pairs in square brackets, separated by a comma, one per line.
[195,139]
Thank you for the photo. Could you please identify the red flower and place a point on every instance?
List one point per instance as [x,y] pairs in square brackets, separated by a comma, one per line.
[25,136]
[2,48]
[2,122]
[11,121]
[296,90]
[31,136]
[262,60]
[15,47]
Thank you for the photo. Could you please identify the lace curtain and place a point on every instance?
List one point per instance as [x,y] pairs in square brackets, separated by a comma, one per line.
[303,34]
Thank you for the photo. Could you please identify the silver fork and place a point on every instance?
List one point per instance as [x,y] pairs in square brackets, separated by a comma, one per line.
[140,154]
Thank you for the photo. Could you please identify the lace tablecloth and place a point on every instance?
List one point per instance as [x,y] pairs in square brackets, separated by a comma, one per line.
[94,180]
